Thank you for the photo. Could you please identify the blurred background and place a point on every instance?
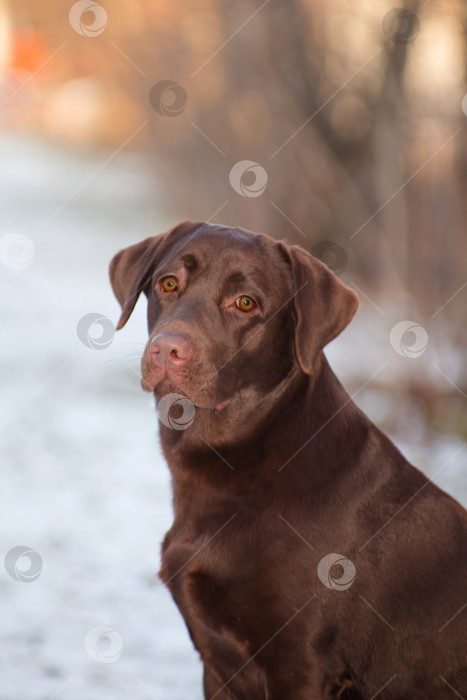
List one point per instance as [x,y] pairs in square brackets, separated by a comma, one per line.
[337,126]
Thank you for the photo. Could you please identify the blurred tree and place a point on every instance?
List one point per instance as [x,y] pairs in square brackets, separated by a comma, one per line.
[354,110]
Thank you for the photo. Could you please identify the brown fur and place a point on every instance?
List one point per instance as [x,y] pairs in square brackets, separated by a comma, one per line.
[279,469]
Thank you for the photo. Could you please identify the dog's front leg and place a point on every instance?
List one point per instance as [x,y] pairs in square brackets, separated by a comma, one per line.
[235,687]
[213,688]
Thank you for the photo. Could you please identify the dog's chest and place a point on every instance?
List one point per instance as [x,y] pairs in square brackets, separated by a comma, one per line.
[218,587]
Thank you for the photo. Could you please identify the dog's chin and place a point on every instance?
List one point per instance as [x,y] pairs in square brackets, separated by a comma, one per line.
[167,385]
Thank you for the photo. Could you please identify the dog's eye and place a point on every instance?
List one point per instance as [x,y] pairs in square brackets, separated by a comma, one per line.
[169,284]
[245,303]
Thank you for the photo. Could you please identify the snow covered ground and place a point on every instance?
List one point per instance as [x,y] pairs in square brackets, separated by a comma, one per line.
[82,479]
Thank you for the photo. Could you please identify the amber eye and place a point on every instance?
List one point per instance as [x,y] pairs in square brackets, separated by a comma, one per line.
[169,284]
[244,303]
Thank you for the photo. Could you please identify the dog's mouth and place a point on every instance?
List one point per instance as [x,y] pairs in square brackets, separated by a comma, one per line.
[168,386]
[220,406]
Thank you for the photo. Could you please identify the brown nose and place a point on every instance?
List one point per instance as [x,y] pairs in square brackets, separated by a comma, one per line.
[170,349]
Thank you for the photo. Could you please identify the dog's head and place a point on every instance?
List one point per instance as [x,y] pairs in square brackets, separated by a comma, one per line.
[231,314]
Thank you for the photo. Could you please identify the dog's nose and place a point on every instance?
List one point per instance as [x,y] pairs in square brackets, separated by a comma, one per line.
[170,349]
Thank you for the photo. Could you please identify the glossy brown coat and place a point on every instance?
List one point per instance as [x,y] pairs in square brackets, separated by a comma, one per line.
[278,471]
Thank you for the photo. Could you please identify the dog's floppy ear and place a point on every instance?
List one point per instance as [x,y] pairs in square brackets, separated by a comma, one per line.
[131,269]
[323,305]
[130,273]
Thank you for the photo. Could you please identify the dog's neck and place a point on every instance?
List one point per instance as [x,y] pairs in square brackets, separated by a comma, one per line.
[302,406]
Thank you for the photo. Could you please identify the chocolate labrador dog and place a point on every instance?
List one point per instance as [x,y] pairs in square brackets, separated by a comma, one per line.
[308,558]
